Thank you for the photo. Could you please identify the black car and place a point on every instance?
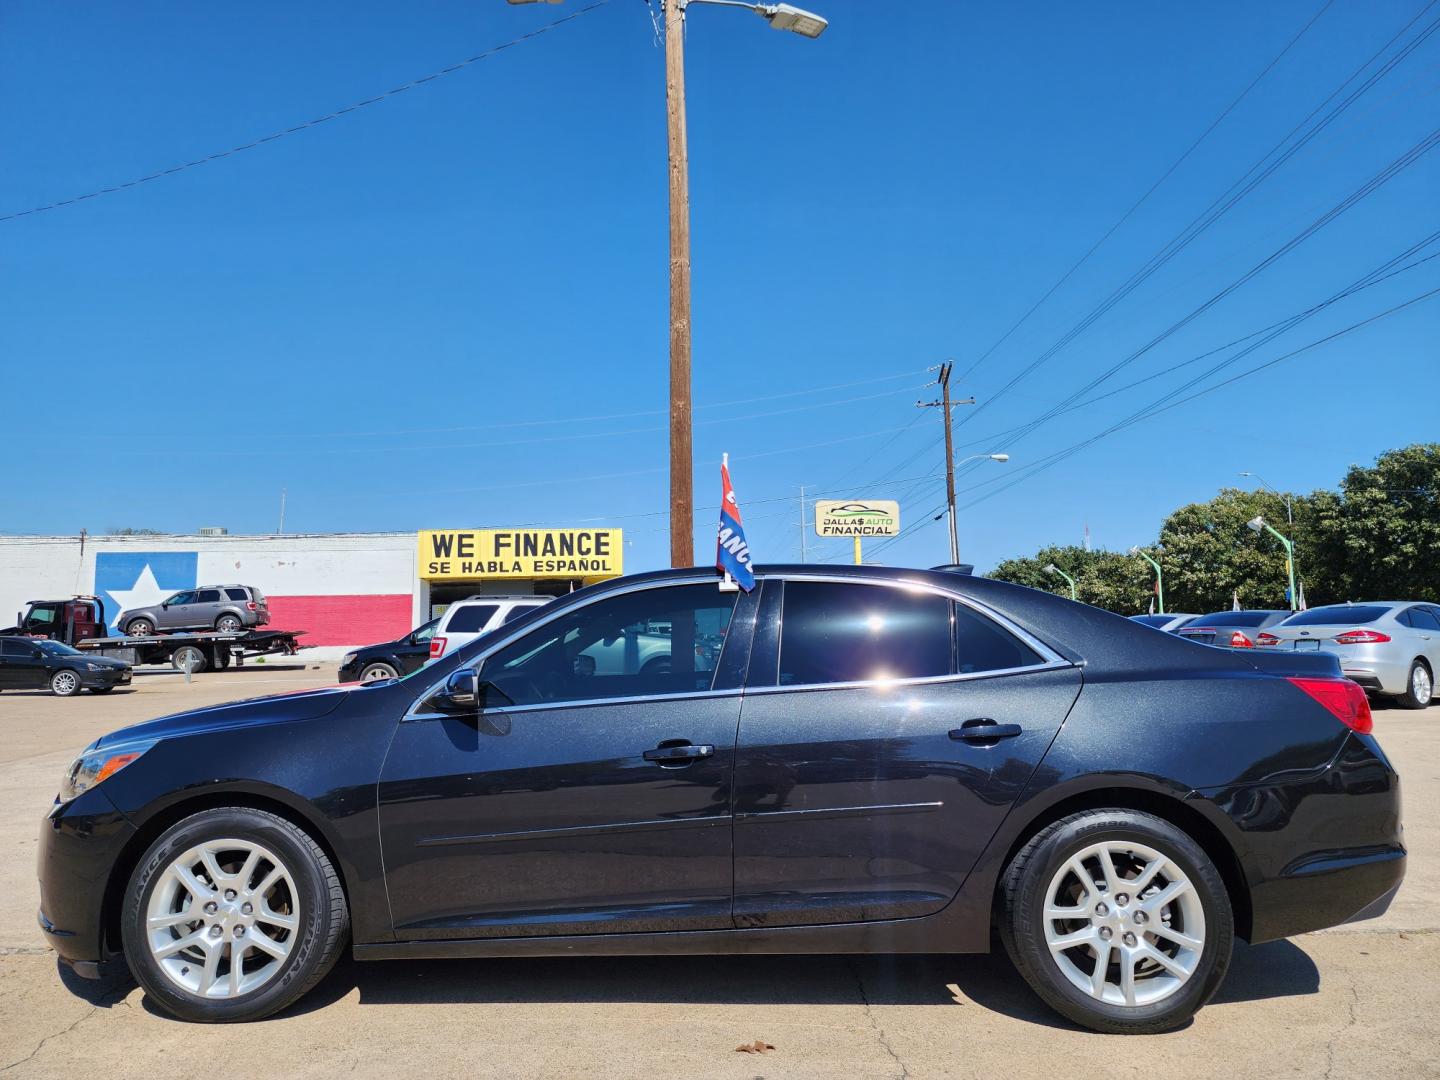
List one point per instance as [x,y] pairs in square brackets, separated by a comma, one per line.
[28,663]
[903,762]
[390,659]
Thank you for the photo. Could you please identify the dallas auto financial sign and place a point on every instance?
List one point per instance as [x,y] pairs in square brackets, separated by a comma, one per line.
[856,517]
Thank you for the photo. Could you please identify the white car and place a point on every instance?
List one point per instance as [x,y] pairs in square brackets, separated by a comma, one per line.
[465,620]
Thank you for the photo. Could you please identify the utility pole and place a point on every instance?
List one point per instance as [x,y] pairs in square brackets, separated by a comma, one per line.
[803,523]
[282,513]
[682,494]
[945,404]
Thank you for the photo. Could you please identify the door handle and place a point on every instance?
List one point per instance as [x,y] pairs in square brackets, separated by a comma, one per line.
[676,753]
[984,730]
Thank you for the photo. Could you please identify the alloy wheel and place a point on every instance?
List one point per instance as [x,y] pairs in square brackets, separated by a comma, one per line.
[1124,924]
[1420,684]
[65,682]
[223,918]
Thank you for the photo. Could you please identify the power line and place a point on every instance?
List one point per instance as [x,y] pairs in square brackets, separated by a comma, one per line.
[316,122]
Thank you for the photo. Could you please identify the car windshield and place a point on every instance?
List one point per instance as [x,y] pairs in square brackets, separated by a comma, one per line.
[1349,614]
[58,648]
[1232,618]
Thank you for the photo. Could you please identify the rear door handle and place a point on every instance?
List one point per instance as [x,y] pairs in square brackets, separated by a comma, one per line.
[984,730]
[676,753]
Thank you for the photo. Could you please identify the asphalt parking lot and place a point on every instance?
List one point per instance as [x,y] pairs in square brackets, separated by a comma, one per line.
[1359,1000]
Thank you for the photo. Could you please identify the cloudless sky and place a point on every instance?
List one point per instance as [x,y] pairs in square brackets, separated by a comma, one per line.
[450,308]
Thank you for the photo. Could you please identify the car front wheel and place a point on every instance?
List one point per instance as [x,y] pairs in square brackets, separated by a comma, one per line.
[232,914]
[1118,920]
[65,683]
[139,628]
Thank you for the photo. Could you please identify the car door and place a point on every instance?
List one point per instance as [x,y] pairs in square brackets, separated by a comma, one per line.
[413,651]
[22,665]
[174,612]
[573,802]
[885,733]
[205,610]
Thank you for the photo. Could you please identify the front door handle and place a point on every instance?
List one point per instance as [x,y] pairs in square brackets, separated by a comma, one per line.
[677,753]
[984,730]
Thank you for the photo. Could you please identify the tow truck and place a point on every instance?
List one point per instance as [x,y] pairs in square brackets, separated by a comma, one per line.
[80,622]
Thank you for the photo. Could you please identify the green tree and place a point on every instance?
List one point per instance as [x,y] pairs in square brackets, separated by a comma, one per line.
[1107,579]
[1210,554]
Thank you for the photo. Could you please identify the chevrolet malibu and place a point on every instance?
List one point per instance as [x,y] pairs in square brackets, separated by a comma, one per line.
[861,760]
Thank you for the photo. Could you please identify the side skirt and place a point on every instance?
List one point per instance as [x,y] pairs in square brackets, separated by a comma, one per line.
[927,935]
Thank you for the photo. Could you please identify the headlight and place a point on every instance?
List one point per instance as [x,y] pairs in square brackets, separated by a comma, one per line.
[94,667]
[94,765]
[349,659]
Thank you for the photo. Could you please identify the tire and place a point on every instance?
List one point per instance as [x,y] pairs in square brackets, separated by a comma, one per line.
[376,672]
[229,624]
[65,683]
[1163,999]
[139,628]
[1419,686]
[222,660]
[308,894]
[189,655]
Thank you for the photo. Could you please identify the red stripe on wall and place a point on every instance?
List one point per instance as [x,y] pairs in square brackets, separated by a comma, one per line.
[342,620]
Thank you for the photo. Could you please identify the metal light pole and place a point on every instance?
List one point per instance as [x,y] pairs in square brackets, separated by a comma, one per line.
[1258,524]
[1052,568]
[954,534]
[682,463]
[1159,578]
[1289,507]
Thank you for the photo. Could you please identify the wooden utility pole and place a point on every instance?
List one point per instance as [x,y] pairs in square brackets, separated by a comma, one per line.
[682,466]
[945,404]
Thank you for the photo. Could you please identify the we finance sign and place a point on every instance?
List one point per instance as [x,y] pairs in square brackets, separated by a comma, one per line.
[520,553]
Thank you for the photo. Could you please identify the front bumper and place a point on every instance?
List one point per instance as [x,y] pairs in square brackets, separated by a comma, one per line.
[105,677]
[80,843]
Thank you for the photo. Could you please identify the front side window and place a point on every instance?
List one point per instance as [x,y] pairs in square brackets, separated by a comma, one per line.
[424,633]
[44,614]
[665,640]
[181,598]
[839,632]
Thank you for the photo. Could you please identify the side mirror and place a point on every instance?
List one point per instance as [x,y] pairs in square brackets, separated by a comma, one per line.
[37,654]
[461,693]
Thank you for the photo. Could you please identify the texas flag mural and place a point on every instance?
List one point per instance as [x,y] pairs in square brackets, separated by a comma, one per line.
[131,579]
[732,553]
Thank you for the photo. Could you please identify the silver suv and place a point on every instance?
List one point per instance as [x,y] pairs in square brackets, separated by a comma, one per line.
[1389,647]
[465,620]
[226,608]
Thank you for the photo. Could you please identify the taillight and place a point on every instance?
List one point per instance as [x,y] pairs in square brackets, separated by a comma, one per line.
[1361,637]
[252,606]
[1240,641]
[1267,639]
[437,647]
[1344,698]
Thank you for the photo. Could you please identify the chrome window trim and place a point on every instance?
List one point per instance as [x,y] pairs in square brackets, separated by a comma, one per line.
[1050,659]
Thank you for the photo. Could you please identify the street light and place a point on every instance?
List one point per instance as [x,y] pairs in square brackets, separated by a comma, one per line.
[1289,509]
[1052,568]
[682,464]
[1258,524]
[954,535]
[1159,579]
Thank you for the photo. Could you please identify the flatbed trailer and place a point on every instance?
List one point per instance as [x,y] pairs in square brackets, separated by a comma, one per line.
[195,652]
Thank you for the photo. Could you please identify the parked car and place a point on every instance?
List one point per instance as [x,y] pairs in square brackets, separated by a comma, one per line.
[1235,629]
[35,663]
[390,659]
[921,757]
[1169,622]
[465,620]
[226,608]
[1390,647]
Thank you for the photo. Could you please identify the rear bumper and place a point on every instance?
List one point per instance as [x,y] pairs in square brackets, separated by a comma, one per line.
[1382,675]
[1342,886]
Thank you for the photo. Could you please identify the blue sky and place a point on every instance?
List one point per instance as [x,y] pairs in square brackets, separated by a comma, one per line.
[449,308]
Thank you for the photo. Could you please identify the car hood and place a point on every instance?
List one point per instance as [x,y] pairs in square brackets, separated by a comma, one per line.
[272,709]
[102,661]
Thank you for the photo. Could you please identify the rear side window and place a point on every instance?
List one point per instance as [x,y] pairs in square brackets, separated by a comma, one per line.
[209,596]
[982,645]
[518,610]
[470,618]
[1232,618]
[837,632]
[1349,614]
[1422,619]
[12,647]
[236,594]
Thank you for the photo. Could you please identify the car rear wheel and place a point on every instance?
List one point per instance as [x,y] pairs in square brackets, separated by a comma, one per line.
[229,624]
[65,683]
[139,628]
[232,914]
[377,672]
[1418,688]
[1118,920]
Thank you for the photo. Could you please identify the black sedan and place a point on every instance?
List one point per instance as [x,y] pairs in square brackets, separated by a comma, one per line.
[904,761]
[390,659]
[28,663]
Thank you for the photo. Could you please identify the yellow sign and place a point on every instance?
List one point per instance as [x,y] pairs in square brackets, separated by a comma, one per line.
[447,554]
[854,517]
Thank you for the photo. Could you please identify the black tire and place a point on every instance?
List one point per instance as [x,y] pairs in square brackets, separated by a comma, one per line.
[229,624]
[324,917]
[196,659]
[1022,926]
[139,628]
[377,671]
[1410,699]
[65,683]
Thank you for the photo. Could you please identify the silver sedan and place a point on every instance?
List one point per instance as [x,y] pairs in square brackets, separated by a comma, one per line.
[1389,647]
